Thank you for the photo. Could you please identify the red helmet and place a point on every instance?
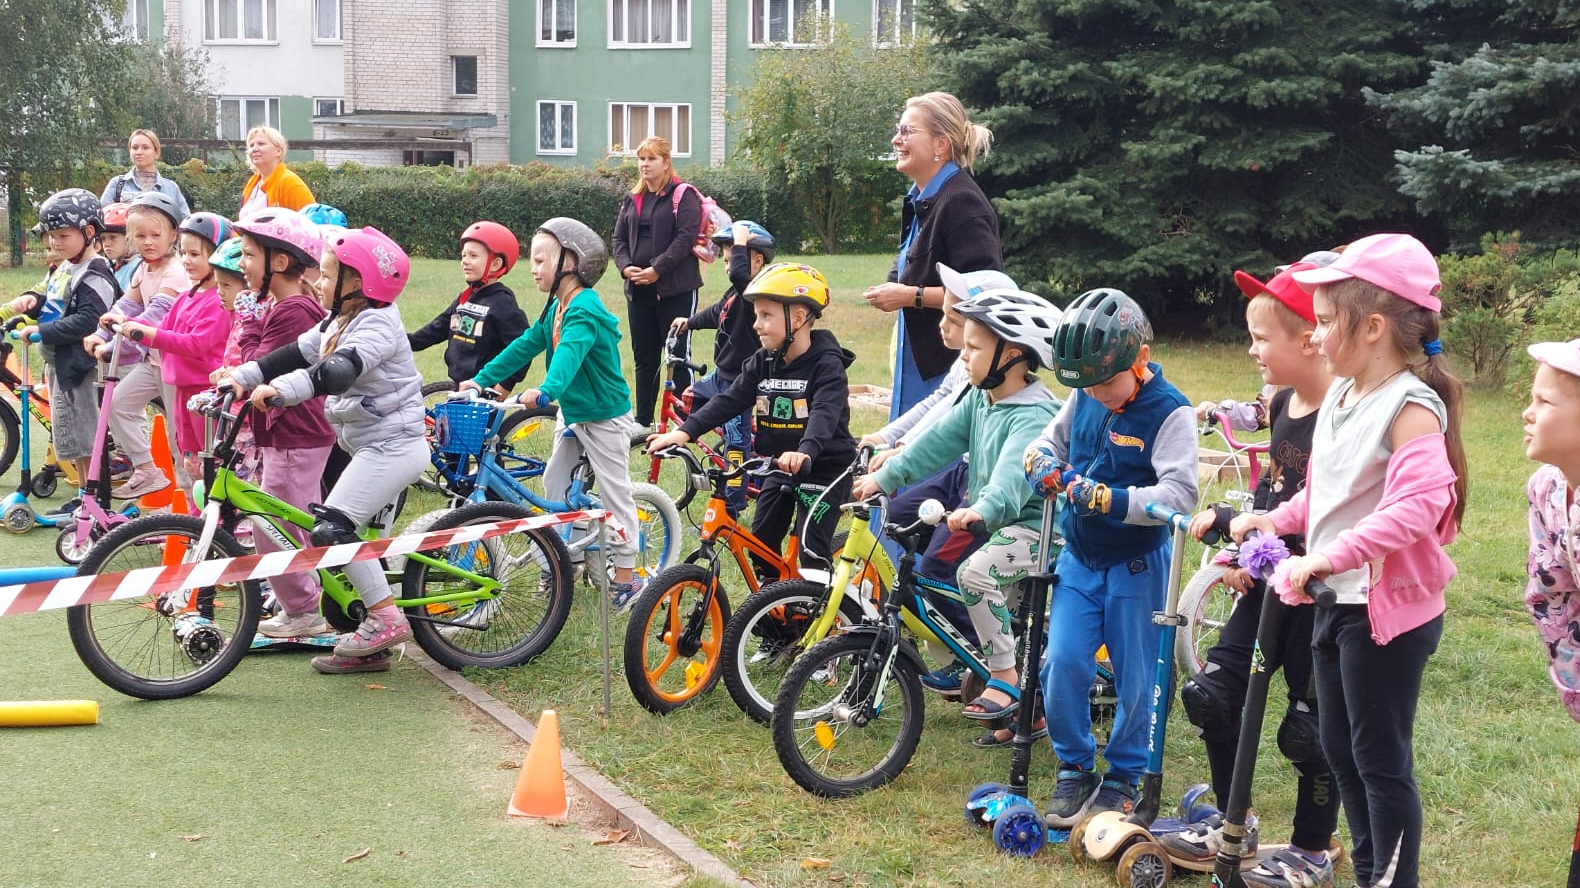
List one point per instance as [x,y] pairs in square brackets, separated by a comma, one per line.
[115,218]
[499,241]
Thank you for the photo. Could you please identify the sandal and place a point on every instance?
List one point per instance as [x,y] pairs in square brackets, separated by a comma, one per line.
[988,710]
[990,738]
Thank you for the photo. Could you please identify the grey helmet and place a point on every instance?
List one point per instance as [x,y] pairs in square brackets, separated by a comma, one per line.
[72,208]
[164,203]
[592,255]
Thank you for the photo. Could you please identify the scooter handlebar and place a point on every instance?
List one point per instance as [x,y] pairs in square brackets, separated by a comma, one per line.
[1321,593]
[1174,519]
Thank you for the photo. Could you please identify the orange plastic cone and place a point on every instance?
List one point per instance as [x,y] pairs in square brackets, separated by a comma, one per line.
[160,447]
[540,790]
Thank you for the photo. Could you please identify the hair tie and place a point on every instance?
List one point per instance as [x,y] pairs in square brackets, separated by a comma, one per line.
[1435,347]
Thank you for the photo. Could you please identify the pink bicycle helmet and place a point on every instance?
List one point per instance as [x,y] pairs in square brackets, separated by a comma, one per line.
[287,230]
[380,261]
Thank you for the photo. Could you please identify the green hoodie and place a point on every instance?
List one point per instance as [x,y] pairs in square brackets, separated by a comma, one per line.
[584,373]
[994,437]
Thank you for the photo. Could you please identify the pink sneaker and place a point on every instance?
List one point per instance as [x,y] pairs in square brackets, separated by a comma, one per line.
[334,664]
[373,635]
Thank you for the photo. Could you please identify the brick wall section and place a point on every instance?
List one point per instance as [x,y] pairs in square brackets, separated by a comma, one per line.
[718,80]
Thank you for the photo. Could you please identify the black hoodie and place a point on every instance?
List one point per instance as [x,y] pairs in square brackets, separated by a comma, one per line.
[801,405]
[477,330]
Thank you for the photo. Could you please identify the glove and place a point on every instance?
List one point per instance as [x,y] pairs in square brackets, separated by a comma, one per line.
[1088,497]
[1044,471]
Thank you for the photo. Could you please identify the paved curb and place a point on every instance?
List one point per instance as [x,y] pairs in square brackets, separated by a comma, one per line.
[613,801]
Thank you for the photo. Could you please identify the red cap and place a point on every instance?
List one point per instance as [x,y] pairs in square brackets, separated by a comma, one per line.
[1282,287]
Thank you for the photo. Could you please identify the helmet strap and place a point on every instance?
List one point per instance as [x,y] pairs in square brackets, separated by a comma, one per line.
[559,272]
[1000,372]
[340,279]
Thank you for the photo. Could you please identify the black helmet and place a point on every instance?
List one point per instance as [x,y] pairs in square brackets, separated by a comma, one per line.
[1100,335]
[592,256]
[73,208]
[760,240]
[161,202]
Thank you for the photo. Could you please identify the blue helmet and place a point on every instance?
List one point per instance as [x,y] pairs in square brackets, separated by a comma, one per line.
[760,239]
[324,214]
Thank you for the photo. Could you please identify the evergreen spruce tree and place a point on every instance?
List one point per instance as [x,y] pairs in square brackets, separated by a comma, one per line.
[1157,146]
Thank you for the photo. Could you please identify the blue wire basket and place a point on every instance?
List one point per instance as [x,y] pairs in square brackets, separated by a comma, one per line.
[461,427]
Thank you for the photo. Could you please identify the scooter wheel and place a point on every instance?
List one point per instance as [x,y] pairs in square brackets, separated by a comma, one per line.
[18,518]
[1077,842]
[1144,865]
[1020,831]
[975,816]
[66,545]
[44,484]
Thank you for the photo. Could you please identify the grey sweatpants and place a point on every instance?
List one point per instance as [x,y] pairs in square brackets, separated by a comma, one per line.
[607,444]
[374,478]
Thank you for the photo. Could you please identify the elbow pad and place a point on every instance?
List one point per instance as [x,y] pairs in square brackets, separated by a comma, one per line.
[281,361]
[336,374]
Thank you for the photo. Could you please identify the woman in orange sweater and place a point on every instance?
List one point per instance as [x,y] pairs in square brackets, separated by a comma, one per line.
[272,183]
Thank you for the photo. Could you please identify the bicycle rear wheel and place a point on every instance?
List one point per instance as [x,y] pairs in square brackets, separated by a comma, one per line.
[660,533]
[675,638]
[833,735]
[1206,604]
[526,613]
[765,636]
[161,647]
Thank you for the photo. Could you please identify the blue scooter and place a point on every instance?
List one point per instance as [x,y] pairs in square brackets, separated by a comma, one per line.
[16,511]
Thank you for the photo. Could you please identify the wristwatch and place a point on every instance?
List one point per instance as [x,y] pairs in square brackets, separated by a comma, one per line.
[919,291]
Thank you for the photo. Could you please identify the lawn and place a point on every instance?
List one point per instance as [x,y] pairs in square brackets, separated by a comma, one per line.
[1497,787]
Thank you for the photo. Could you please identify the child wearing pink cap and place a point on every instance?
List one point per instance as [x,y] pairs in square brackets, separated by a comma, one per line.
[1552,437]
[1386,493]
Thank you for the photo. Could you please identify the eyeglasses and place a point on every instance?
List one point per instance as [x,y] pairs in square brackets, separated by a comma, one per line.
[905,131]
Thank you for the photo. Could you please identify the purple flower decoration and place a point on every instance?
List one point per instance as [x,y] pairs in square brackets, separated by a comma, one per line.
[1262,552]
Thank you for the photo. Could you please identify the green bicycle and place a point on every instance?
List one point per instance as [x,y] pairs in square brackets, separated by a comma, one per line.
[496,603]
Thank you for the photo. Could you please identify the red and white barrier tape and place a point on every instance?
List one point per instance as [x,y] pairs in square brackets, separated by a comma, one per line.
[97,589]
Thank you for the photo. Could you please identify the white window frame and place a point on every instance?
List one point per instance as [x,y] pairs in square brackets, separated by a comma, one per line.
[628,147]
[340,10]
[559,110]
[757,18]
[271,21]
[271,114]
[898,36]
[134,22]
[477,77]
[551,7]
[340,106]
[619,34]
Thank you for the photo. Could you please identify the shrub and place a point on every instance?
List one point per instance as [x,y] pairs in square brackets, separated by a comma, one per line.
[1487,302]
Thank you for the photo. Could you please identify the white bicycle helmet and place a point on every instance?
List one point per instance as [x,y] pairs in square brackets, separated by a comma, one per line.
[1018,318]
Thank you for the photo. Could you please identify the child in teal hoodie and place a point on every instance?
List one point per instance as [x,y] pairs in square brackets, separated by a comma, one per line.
[1003,412]
[582,340]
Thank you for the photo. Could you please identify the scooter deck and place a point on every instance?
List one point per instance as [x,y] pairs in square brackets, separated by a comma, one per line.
[1249,861]
[295,642]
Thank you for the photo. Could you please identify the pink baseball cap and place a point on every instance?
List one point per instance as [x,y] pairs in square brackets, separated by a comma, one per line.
[1398,263]
[1563,356]
[1282,287]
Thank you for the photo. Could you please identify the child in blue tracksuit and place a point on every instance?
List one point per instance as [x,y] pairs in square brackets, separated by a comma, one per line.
[1125,438]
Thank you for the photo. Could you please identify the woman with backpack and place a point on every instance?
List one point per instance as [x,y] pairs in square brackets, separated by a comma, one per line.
[143,147]
[653,239]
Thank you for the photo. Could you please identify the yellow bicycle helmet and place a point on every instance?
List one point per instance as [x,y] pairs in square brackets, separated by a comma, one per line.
[790,283]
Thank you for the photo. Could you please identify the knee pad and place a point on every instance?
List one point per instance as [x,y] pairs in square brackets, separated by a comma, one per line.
[1298,737]
[333,526]
[1206,705]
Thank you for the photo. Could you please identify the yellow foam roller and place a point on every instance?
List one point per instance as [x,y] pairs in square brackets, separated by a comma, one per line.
[48,713]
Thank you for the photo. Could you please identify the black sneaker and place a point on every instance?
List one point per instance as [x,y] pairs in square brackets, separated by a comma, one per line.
[1200,841]
[1072,796]
[1114,795]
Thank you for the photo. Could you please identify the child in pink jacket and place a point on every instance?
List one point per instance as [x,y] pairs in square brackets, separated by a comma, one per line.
[1386,492]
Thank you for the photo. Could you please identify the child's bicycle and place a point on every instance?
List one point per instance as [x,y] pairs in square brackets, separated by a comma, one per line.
[96,515]
[1205,602]
[469,427]
[674,640]
[525,439]
[672,411]
[494,603]
[14,412]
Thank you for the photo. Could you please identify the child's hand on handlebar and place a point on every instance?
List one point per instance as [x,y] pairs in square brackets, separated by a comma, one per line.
[92,343]
[1044,471]
[23,304]
[792,461]
[879,458]
[1302,568]
[961,519]
[677,326]
[675,438]
[529,398]
[1244,524]
[1205,409]
[865,487]
[1238,579]
[468,385]
[261,396]
[136,330]
[1201,523]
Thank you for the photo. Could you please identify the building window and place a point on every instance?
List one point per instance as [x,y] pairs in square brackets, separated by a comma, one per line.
[789,22]
[134,24]
[428,158]
[326,21]
[465,68]
[237,114]
[329,107]
[556,127]
[649,22]
[893,22]
[630,123]
[556,22]
[239,20]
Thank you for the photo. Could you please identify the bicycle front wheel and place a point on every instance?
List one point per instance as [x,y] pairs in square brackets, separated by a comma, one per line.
[159,647]
[675,638]
[842,727]
[1206,604]
[527,611]
[767,633]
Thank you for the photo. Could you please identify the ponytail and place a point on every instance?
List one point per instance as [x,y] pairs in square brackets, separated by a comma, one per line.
[1433,371]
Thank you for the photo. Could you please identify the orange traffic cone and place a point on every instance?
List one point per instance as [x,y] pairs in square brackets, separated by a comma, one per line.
[159,445]
[540,790]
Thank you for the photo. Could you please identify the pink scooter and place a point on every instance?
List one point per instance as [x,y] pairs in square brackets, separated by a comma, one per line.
[95,516]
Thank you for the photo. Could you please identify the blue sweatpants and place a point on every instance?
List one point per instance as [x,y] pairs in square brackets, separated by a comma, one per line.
[1091,608]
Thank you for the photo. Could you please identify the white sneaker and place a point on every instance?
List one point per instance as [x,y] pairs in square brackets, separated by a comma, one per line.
[284,625]
[144,481]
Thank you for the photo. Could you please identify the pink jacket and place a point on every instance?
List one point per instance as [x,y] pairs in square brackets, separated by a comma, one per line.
[191,338]
[1401,542]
